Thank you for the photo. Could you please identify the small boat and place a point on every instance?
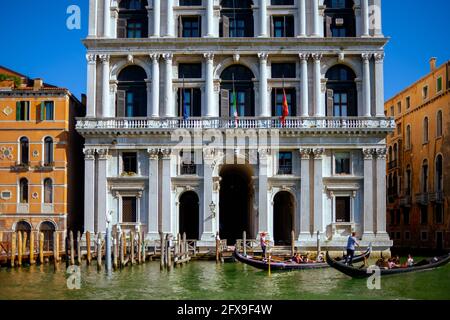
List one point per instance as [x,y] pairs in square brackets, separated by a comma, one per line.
[426,264]
[289,265]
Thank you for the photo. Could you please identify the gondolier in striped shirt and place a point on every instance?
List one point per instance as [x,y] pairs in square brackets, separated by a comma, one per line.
[351,248]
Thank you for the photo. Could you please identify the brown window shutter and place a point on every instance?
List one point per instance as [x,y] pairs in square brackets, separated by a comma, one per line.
[121,28]
[329,22]
[224,103]
[121,96]
[226,26]
[272,27]
[330,102]
[180,27]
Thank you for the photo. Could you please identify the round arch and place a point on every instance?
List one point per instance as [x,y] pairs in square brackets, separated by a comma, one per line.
[47,228]
[244,61]
[22,225]
[117,67]
[341,86]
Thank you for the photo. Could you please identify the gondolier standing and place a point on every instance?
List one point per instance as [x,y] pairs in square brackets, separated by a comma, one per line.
[263,243]
[351,248]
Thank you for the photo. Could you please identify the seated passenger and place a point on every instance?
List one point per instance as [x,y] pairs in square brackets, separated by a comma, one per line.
[392,264]
[320,257]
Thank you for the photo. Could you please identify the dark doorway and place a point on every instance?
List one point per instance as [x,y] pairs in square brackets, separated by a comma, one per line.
[24,227]
[189,215]
[129,210]
[48,229]
[131,93]
[342,209]
[439,241]
[283,218]
[236,203]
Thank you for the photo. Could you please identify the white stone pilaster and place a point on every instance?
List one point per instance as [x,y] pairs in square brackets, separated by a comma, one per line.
[89,190]
[211,110]
[91,85]
[170,23]
[366,84]
[153,199]
[107,18]
[302,17]
[166,191]
[365,17]
[155,86]
[264,106]
[319,108]
[105,85]
[304,84]
[168,87]
[305,196]
[368,227]
[377,19]
[208,218]
[156,18]
[318,190]
[210,18]
[263,212]
[263,18]
[379,84]
[316,18]
[381,194]
[93,18]
[102,189]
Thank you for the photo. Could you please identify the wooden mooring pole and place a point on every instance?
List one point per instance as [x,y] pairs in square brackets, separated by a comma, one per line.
[88,247]
[292,243]
[115,250]
[162,250]
[121,249]
[32,261]
[139,248]
[19,248]
[185,246]
[79,247]
[55,250]
[132,247]
[24,243]
[244,243]
[217,248]
[41,248]
[13,248]
[72,249]
[168,252]
[99,251]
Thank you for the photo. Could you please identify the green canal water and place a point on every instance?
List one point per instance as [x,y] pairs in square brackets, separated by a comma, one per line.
[207,280]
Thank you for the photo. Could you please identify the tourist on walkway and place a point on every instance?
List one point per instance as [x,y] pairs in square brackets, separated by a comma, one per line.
[351,248]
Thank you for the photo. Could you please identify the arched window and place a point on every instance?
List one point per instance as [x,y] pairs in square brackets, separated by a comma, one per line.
[132,93]
[439,124]
[24,227]
[339,18]
[133,19]
[237,94]
[395,185]
[425,130]
[390,154]
[408,137]
[425,176]
[395,152]
[341,92]
[439,174]
[408,180]
[23,186]
[48,191]
[48,229]
[24,150]
[237,18]
[48,151]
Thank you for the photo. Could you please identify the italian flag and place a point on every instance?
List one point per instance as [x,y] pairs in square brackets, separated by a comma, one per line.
[235,112]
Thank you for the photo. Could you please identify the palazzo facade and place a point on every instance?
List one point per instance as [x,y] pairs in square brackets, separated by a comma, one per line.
[215,75]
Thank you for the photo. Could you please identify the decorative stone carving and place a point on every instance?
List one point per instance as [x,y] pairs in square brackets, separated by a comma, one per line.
[166,153]
[341,57]
[104,58]
[263,153]
[91,58]
[167,56]
[379,57]
[317,56]
[209,56]
[103,153]
[304,56]
[208,153]
[368,153]
[155,57]
[153,154]
[366,56]
[8,110]
[89,154]
[263,56]
[318,153]
[305,153]
[113,87]
[130,59]
[236,58]
[381,153]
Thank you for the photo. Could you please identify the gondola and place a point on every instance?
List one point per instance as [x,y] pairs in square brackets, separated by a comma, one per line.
[426,264]
[288,265]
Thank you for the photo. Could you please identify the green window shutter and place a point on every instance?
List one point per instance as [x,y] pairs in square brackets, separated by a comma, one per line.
[42,116]
[27,111]
[18,110]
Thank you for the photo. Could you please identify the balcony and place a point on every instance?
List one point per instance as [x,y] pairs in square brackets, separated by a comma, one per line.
[137,125]
[188,169]
[45,167]
[285,169]
[437,197]
[422,199]
[405,201]
[20,167]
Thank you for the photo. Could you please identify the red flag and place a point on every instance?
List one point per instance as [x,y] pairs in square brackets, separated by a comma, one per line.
[285,112]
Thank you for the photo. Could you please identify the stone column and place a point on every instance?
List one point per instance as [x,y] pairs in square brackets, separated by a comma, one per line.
[318,190]
[208,217]
[93,16]
[153,199]
[91,85]
[316,18]
[263,18]
[170,32]
[305,196]
[304,83]
[368,227]
[264,222]
[156,18]
[155,86]
[319,109]
[210,18]
[102,189]
[302,17]
[366,84]
[209,85]
[107,19]
[168,87]
[89,190]
[381,194]
[105,84]
[365,17]
[379,84]
[264,111]
[166,191]
[378,30]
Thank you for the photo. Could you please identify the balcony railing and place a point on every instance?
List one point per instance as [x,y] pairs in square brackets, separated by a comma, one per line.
[87,124]
[405,201]
[284,169]
[437,197]
[45,166]
[422,199]
[20,167]
[392,164]
[188,169]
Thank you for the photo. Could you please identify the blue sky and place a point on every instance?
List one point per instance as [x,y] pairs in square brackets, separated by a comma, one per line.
[36,41]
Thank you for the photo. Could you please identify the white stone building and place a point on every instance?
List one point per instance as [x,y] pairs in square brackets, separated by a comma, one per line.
[160,66]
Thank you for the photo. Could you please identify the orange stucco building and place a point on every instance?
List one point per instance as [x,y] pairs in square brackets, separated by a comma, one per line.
[418,169]
[41,186]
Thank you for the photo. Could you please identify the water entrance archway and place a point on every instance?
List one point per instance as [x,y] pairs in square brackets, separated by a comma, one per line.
[236,203]
[283,217]
[189,215]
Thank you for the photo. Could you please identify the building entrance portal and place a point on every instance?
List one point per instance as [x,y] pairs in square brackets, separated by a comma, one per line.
[189,215]
[236,203]
[283,217]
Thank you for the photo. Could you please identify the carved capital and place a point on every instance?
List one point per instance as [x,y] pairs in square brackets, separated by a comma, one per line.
[379,57]
[381,153]
[368,153]
[305,153]
[168,57]
[304,56]
[209,56]
[366,57]
[153,153]
[103,153]
[263,56]
[89,154]
[208,153]
[263,153]
[318,153]
[155,57]
[91,58]
[166,153]
[317,56]
[104,58]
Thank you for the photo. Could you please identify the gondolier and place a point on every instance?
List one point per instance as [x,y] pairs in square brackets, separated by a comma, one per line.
[351,248]
[263,244]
